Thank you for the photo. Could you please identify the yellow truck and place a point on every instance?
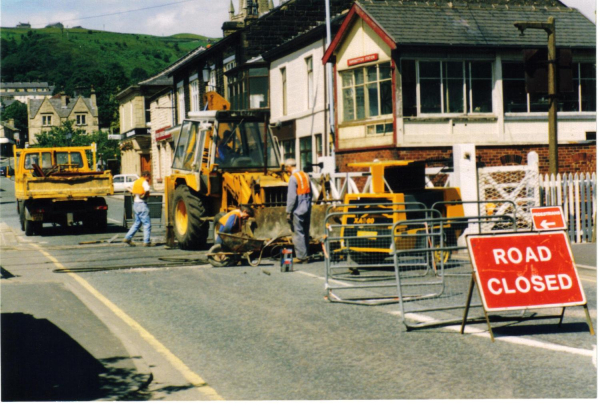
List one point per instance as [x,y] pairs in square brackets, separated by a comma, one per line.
[225,158]
[60,186]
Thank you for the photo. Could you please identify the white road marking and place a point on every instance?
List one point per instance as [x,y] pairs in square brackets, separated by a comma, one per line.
[586,267]
[484,333]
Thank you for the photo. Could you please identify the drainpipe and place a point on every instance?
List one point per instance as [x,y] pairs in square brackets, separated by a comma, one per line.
[329,68]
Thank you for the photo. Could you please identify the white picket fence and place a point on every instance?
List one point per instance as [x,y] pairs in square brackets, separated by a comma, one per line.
[576,194]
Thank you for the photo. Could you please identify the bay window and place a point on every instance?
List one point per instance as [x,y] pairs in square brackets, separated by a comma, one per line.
[367,92]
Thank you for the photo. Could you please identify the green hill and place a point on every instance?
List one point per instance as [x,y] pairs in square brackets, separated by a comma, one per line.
[76,59]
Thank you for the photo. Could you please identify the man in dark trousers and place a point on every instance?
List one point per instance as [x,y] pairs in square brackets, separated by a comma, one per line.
[299,200]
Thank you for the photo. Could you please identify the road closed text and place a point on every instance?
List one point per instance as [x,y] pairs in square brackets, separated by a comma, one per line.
[525,270]
[525,285]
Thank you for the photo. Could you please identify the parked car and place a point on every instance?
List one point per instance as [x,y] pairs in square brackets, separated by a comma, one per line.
[124,181]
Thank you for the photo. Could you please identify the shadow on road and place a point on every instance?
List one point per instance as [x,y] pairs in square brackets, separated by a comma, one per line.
[40,362]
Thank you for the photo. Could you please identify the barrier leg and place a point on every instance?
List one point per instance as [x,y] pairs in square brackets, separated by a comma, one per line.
[562,315]
[589,319]
[469,296]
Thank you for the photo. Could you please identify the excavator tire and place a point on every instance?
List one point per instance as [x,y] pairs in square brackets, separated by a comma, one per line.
[190,230]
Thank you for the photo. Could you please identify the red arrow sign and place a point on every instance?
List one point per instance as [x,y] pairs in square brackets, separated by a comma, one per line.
[548,218]
[525,270]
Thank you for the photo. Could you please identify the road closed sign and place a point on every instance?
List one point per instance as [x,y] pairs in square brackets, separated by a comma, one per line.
[525,270]
[548,218]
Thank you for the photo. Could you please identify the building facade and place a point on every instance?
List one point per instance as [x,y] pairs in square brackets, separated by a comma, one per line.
[43,114]
[23,91]
[414,79]
[136,124]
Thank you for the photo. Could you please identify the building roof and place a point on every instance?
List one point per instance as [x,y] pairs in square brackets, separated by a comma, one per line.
[271,29]
[61,110]
[487,23]
[25,85]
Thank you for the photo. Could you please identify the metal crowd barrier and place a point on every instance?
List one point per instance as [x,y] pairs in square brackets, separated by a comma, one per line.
[437,294]
[360,257]
[155,204]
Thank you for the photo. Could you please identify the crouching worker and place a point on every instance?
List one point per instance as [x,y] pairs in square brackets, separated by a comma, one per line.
[232,222]
[299,200]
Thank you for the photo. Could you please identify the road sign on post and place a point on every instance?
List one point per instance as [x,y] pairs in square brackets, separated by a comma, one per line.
[524,271]
[548,218]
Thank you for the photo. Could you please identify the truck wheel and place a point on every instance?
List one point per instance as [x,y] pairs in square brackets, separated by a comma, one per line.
[22,215]
[221,258]
[190,230]
[29,228]
[102,222]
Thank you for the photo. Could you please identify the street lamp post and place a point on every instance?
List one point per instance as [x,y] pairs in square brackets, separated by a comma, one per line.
[549,27]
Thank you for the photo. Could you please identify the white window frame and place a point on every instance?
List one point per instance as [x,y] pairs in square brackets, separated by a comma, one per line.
[81,119]
[466,79]
[353,86]
[180,102]
[195,94]
[283,72]
[310,82]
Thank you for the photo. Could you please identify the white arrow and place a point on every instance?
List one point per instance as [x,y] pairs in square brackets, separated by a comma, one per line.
[546,225]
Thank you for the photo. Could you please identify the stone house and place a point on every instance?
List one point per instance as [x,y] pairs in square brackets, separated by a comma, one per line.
[23,91]
[412,79]
[43,114]
[135,124]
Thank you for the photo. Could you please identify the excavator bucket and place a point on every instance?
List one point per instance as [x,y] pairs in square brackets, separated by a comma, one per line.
[271,222]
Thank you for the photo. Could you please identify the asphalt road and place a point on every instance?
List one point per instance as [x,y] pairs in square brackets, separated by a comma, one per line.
[254,333]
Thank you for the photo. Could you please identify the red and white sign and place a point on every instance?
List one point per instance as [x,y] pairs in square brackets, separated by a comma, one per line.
[548,218]
[525,270]
[363,59]
[161,135]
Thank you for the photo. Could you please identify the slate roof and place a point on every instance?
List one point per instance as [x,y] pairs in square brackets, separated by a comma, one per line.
[478,22]
[61,110]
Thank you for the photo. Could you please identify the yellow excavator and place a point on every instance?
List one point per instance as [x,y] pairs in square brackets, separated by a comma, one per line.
[223,159]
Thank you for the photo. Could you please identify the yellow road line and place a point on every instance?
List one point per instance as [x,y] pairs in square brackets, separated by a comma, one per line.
[190,375]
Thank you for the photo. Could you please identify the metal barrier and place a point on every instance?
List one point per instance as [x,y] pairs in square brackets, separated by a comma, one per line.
[441,288]
[155,204]
[360,258]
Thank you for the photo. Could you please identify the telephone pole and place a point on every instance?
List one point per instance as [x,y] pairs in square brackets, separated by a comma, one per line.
[549,27]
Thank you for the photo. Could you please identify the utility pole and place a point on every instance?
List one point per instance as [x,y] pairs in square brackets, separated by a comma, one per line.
[549,27]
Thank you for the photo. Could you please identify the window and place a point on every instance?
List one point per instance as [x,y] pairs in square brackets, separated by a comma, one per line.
[46,119]
[517,100]
[305,153]
[284,90]
[258,87]
[195,95]
[180,102]
[80,119]
[583,96]
[319,145]
[66,158]
[185,153]
[455,87]
[446,87]
[289,148]
[34,159]
[367,92]
[310,81]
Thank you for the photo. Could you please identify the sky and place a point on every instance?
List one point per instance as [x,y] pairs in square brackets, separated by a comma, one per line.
[155,17]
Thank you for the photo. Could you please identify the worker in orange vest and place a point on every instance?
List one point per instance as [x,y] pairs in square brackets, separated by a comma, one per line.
[299,200]
[232,222]
[140,191]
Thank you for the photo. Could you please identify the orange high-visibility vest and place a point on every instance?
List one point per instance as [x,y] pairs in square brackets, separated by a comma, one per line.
[138,187]
[303,183]
[237,214]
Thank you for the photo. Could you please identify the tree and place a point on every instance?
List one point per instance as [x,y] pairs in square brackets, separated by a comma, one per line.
[18,112]
[65,135]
